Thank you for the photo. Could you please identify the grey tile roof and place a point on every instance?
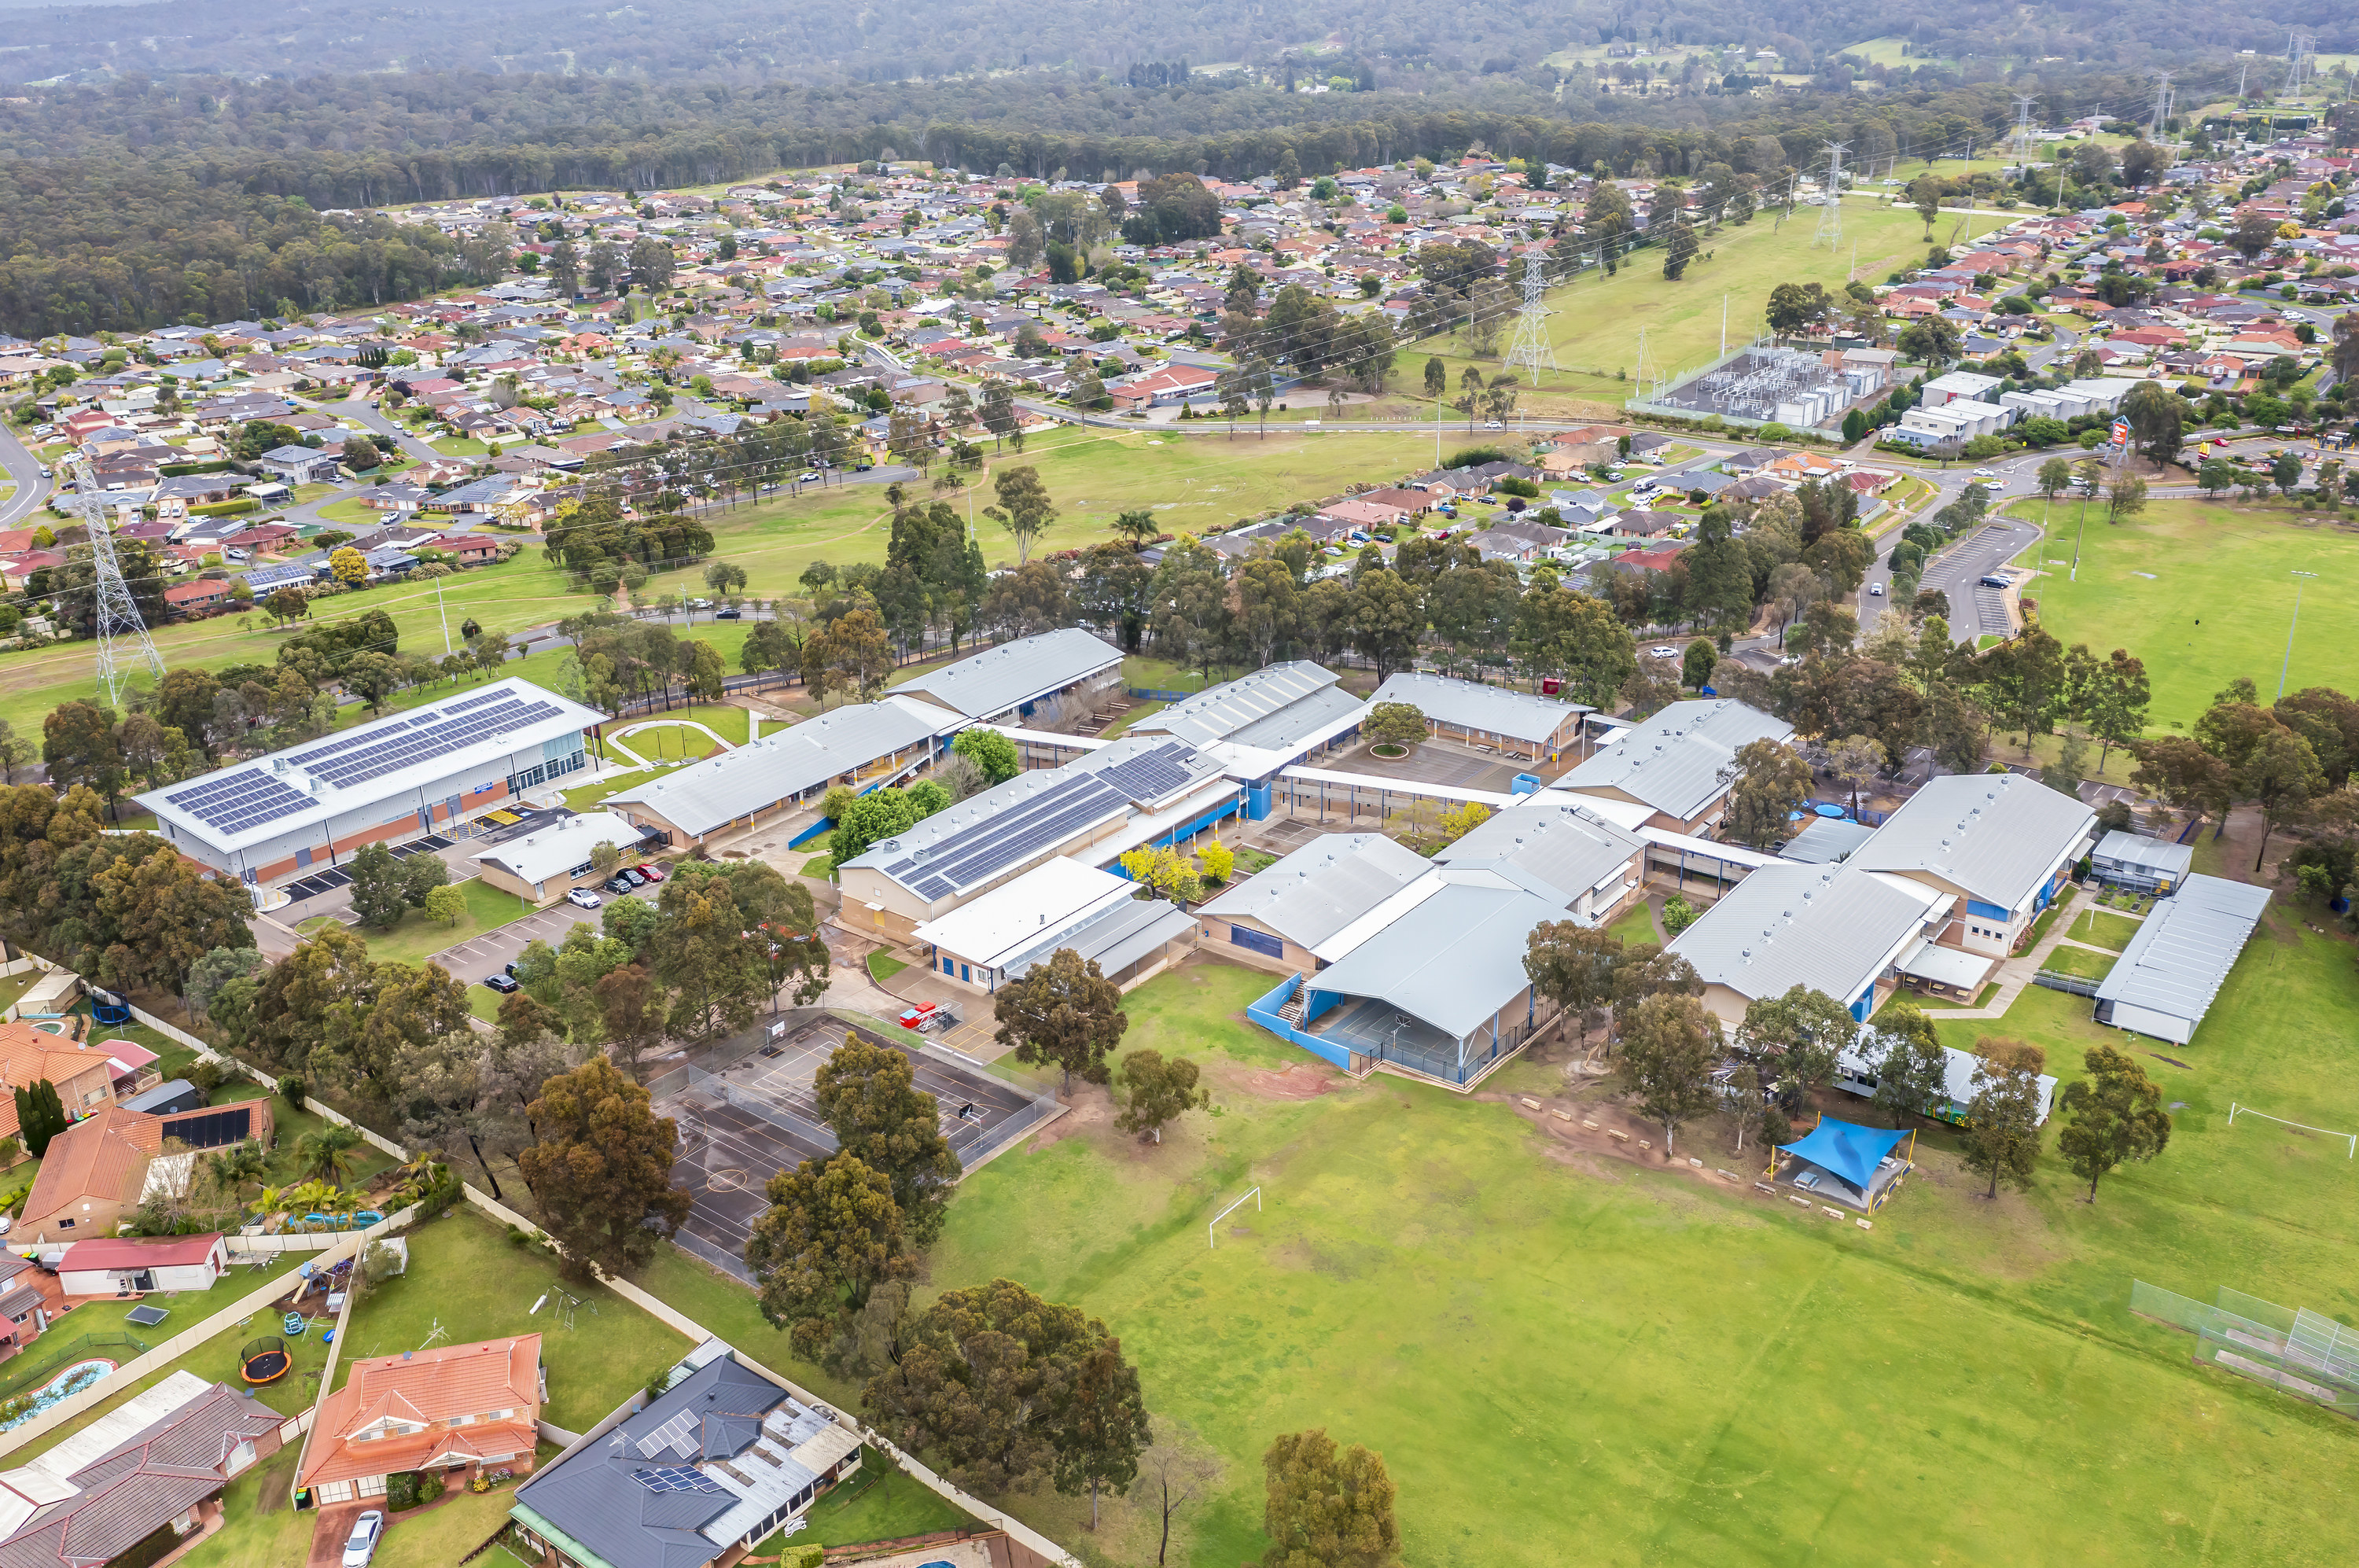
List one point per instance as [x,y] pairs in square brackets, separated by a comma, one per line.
[1831,927]
[1673,761]
[1556,846]
[1324,887]
[1994,836]
[723,786]
[2182,953]
[1469,704]
[1452,961]
[1015,674]
[653,1492]
[1223,712]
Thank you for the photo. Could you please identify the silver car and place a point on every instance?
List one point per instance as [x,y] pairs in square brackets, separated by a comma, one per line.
[360,1545]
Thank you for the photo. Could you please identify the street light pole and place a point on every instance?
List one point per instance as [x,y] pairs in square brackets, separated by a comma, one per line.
[2287,665]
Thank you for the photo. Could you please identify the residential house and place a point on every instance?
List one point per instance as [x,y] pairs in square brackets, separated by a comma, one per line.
[445,1408]
[299,464]
[197,598]
[158,1461]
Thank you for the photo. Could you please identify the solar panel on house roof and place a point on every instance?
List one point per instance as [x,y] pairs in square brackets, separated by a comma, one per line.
[678,1478]
[1151,775]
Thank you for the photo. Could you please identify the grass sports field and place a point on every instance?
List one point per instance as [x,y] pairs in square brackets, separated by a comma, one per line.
[2202,591]
[1597,320]
[1550,1350]
[1189,482]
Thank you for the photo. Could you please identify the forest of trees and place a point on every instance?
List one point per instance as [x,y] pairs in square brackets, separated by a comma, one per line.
[747,43]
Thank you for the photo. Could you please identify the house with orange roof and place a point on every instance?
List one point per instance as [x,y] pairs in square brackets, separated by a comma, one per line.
[442,1409]
[91,1177]
[82,1072]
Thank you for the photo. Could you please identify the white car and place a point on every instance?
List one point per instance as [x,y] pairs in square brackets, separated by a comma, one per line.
[583,898]
[1493,425]
[1662,653]
[1984,474]
[360,1545]
[810,477]
[1876,590]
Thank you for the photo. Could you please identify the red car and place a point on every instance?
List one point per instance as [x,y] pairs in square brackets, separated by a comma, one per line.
[652,873]
[918,1014]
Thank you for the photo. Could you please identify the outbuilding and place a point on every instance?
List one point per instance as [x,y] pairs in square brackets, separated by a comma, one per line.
[548,863]
[130,1265]
[2141,864]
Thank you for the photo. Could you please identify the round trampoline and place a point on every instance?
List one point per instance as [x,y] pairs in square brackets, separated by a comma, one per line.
[265,1360]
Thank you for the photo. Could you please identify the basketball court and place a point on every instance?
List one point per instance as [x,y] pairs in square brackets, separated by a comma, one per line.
[746,1111]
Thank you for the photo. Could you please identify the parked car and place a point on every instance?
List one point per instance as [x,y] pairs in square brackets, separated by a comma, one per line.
[360,1545]
[616,884]
[652,873]
[499,983]
[635,878]
[699,603]
[583,898]
[1995,582]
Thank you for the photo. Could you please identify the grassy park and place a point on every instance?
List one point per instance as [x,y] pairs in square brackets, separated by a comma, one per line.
[1547,1349]
[2204,591]
[1596,322]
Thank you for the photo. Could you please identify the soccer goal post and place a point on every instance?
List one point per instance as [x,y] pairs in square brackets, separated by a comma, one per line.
[2351,1141]
[1208,1242]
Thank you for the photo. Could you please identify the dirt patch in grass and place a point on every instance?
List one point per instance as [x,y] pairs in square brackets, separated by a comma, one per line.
[1088,1107]
[1299,1081]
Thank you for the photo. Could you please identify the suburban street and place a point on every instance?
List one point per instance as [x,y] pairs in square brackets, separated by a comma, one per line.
[25,471]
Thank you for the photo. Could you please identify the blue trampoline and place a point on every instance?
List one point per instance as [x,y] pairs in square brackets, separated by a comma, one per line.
[1833,813]
[1851,1154]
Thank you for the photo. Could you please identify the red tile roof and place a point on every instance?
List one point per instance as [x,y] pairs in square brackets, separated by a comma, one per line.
[429,1389]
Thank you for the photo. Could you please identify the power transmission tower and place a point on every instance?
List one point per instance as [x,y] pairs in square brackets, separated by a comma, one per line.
[123,639]
[1829,231]
[1531,348]
[2022,141]
[2161,106]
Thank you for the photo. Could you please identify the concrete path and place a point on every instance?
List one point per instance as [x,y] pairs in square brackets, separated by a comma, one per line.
[2015,973]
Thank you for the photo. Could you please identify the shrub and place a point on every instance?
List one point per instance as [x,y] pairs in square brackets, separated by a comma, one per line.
[1678,914]
[206,1075]
[290,1089]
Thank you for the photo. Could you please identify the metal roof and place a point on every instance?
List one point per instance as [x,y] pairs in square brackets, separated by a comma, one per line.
[1452,961]
[560,846]
[1015,674]
[2181,953]
[1673,762]
[1833,928]
[1556,845]
[1313,719]
[2119,848]
[1469,704]
[1228,711]
[729,784]
[1825,841]
[1996,835]
[1118,934]
[392,759]
[1052,899]
[1324,887]
[980,838]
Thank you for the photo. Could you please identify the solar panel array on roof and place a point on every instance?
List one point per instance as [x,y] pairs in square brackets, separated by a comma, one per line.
[1153,775]
[232,802]
[678,1478]
[375,733]
[992,845]
[476,701]
[391,750]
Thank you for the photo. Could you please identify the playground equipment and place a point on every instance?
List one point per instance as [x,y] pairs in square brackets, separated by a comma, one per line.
[265,1360]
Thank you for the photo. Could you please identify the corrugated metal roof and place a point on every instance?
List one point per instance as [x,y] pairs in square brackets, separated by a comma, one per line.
[1014,673]
[1227,710]
[2119,848]
[1119,934]
[1833,928]
[1452,961]
[727,785]
[558,848]
[1324,887]
[1673,762]
[1311,718]
[1557,845]
[1469,704]
[2182,953]
[1996,835]
[1825,841]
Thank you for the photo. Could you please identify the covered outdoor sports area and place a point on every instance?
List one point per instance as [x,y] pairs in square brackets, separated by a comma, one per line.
[1845,1163]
